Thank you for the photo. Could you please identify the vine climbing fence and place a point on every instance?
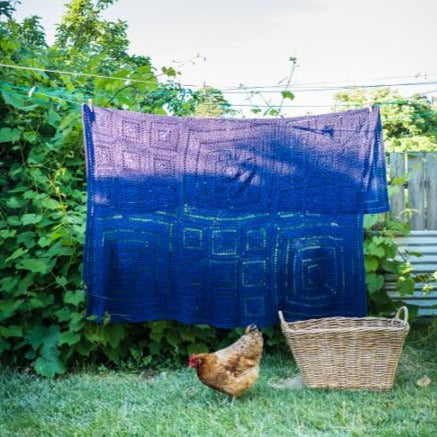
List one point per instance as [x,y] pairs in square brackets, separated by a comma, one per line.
[416,202]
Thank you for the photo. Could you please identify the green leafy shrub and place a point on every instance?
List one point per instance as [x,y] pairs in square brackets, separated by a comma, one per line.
[42,199]
[380,253]
[42,192]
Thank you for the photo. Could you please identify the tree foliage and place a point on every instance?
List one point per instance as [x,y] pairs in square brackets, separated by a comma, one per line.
[410,124]
[210,103]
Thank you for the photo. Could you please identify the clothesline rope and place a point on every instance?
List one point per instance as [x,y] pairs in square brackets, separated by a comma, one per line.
[229,89]
[60,96]
[165,91]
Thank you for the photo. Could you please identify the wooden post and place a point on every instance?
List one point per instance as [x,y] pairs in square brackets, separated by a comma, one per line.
[431,191]
[397,171]
[416,190]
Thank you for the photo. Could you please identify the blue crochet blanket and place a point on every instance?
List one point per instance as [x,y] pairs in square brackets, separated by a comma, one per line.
[224,221]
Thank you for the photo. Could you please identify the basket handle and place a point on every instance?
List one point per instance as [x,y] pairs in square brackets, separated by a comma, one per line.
[403,309]
[281,317]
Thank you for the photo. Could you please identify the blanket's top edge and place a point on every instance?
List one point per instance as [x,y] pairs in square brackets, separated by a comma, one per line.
[373,111]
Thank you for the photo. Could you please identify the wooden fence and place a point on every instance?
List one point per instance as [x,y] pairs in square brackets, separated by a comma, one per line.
[419,192]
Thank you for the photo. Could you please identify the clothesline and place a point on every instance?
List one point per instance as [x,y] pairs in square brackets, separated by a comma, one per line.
[165,91]
[66,97]
[224,89]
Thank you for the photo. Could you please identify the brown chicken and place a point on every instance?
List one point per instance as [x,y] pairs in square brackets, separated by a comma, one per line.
[232,370]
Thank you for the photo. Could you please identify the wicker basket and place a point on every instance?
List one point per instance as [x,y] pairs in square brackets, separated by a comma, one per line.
[347,353]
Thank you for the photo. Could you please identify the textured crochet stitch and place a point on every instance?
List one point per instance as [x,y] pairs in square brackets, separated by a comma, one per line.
[226,221]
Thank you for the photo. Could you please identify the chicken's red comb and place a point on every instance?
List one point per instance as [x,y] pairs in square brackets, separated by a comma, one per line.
[192,360]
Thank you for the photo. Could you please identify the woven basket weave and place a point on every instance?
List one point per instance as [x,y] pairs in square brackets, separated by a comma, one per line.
[347,353]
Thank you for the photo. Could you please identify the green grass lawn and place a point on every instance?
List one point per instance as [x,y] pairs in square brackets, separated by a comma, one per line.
[176,404]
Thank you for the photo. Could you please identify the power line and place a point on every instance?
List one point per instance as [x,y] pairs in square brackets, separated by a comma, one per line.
[337,88]
[430,91]
[300,84]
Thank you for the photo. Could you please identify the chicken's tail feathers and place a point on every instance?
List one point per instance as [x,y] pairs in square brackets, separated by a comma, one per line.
[251,328]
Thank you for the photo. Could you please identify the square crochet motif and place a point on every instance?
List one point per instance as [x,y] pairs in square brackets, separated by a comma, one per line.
[224,222]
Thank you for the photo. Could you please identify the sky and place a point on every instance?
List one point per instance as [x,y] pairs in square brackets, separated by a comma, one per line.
[224,43]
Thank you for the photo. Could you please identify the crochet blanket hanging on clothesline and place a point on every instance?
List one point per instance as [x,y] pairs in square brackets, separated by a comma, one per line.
[225,221]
